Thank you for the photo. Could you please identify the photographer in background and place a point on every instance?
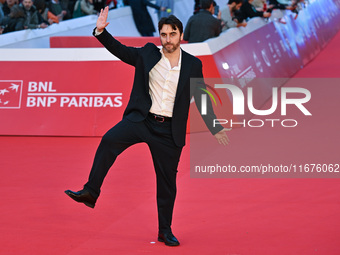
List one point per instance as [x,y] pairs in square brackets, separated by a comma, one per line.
[58,9]
[33,18]
[203,25]
[248,11]
[45,12]
[228,15]
[14,21]
[83,8]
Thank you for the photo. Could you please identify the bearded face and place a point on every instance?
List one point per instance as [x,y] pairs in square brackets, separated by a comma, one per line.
[170,38]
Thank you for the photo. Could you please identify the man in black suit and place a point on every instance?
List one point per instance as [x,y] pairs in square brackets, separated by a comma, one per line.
[156,114]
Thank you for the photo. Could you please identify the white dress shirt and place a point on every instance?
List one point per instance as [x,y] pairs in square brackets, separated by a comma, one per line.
[163,82]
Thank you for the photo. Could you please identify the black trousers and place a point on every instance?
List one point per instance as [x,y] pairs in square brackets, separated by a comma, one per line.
[165,156]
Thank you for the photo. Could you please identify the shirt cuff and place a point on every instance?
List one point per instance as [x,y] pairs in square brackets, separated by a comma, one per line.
[96,33]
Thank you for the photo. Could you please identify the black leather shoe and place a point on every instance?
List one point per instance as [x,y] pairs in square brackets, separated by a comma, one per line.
[82,196]
[169,239]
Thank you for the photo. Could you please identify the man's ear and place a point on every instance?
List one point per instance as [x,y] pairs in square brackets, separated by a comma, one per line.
[182,37]
[211,9]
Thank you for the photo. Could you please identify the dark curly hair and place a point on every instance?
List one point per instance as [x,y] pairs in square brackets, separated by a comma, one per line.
[172,21]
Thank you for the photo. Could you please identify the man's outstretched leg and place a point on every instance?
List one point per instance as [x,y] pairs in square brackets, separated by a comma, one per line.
[114,142]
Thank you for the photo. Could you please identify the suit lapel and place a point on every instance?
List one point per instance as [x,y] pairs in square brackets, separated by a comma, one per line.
[184,74]
[152,59]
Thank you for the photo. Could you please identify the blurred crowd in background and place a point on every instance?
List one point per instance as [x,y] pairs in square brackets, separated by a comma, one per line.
[208,19]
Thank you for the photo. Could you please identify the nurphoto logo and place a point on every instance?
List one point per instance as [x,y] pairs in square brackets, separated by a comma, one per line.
[239,100]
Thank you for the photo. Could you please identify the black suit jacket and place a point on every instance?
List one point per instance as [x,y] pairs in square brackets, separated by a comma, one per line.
[144,59]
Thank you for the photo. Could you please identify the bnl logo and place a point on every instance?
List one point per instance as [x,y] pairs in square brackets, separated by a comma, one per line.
[10,94]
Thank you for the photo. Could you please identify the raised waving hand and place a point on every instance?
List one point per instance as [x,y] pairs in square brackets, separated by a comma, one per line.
[101,21]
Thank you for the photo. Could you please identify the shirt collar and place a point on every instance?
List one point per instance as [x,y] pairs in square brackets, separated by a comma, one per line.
[179,61]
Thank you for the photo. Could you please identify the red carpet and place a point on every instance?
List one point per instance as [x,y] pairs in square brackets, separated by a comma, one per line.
[212,216]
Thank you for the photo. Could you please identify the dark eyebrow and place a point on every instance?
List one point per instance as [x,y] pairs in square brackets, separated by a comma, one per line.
[172,32]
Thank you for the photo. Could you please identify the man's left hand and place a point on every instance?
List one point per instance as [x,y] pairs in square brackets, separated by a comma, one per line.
[222,137]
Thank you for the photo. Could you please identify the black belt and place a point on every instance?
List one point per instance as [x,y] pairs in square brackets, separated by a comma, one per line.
[159,118]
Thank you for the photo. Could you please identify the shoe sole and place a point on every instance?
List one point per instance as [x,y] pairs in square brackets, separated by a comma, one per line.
[168,244]
[85,203]
[89,205]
